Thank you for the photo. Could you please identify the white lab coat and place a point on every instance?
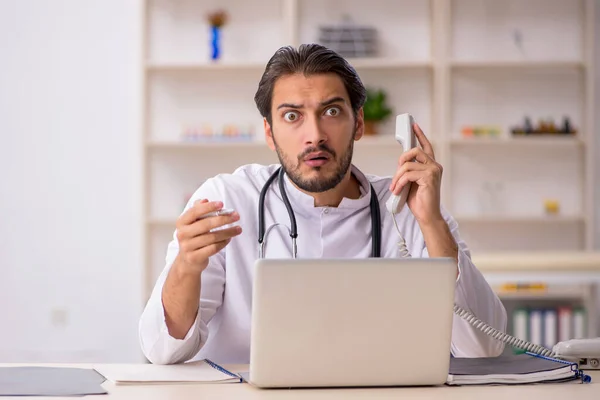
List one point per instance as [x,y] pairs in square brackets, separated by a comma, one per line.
[221,331]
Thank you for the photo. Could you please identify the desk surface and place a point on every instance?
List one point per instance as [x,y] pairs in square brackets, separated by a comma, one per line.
[245,391]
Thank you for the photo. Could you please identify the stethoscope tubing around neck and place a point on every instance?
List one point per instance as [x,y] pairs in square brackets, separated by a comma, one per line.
[293,230]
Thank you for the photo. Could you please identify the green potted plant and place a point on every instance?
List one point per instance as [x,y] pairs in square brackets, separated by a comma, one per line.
[375,109]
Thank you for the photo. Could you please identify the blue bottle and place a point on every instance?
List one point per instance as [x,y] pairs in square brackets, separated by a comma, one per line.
[216,42]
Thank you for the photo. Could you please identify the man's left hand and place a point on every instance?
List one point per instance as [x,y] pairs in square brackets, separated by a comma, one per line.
[418,166]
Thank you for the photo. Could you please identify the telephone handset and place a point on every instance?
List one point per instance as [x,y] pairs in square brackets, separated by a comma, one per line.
[405,136]
[585,352]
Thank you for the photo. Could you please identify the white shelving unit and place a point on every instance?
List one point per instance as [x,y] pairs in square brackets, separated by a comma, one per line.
[450,63]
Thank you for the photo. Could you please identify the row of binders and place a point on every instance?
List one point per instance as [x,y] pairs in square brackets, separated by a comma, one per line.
[548,326]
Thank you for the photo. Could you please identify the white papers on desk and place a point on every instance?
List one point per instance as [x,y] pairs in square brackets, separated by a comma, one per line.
[192,372]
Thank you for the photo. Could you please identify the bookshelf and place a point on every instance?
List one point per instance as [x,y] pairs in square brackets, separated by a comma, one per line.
[451,63]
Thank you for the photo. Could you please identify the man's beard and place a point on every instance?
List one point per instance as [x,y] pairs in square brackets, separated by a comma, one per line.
[318,184]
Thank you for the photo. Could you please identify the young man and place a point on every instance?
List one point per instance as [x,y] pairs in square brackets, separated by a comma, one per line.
[311,100]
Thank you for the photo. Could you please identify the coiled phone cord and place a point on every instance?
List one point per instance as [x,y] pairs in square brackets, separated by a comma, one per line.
[503,337]
[476,322]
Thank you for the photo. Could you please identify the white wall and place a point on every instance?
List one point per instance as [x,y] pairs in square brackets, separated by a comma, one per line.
[70,187]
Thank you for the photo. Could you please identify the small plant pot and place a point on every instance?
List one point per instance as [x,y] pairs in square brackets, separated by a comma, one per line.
[371,127]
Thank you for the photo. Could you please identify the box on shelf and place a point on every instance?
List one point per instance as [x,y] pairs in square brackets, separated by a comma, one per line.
[227,133]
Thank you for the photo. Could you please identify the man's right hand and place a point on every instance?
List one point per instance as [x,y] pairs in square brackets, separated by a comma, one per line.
[196,242]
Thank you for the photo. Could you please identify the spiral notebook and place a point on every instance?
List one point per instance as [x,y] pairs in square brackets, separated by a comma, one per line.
[513,369]
[204,371]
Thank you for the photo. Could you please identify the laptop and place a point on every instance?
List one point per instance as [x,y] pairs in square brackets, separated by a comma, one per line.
[351,322]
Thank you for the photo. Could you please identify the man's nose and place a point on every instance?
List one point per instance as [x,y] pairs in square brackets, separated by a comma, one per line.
[315,134]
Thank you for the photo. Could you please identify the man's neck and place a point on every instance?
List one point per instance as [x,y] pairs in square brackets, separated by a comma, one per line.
[349,187]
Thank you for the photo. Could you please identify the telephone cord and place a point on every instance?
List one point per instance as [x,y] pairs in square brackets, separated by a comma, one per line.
[473,320]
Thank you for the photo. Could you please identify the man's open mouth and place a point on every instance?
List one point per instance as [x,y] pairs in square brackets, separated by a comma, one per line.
[317,159]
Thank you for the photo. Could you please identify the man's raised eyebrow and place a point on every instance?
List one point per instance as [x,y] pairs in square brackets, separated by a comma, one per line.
[336,99]
[289,105]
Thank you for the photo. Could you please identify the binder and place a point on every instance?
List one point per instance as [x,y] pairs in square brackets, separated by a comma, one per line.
[536,332]
[520,318]
[565,324]
[579,323]
[550,328]
[520,328]
[513,369]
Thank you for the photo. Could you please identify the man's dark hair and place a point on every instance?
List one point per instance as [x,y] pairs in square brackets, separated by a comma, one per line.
[309,59]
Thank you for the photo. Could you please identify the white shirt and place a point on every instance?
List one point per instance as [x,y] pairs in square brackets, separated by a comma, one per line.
[221,331]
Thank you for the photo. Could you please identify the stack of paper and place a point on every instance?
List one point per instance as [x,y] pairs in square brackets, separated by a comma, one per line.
[514,369]
[192,372]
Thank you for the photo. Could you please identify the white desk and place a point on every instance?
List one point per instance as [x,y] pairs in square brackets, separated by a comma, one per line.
[244,391]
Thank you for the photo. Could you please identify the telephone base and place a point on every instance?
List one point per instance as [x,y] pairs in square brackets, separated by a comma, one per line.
[585,363]
[585,352]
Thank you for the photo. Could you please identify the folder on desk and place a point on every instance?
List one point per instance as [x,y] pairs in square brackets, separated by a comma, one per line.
[50,381]
[512,369]
[204,371]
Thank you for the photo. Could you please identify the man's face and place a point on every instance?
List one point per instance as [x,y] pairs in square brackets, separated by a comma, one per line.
[313,130]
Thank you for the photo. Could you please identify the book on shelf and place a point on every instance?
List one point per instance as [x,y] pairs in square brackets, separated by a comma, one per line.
[548,325]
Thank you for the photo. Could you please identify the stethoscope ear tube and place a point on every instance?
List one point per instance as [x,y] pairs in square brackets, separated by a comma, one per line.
[261,206]
[288,206]
[375,224]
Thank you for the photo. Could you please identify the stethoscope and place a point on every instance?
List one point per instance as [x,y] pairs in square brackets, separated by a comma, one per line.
[293,230]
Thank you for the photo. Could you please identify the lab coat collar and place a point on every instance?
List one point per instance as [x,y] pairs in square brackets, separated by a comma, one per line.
[303,203]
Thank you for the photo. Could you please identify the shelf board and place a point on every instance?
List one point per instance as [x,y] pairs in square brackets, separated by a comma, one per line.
[382,140]
[502,219]
[518,64]
[542,261]
[203,66]
[525,140]
[359,62]
[550,292]
[386,63]
[200,145]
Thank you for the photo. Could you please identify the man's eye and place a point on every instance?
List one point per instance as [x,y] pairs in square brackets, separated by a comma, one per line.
[290,116]
[333,111]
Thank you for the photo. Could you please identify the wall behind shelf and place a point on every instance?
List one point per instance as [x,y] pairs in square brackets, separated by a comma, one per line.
[406,19]
[482,29]
[179,30]
[504,97]
[179,101]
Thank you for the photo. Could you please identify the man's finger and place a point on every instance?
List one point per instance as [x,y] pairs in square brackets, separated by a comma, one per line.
[410,176]
[198,242]
[407,166]
[425,144]
[210,250]
[200,227]
[198,210]
[415,154]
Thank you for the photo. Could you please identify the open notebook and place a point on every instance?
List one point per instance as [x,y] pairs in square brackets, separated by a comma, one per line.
[514,369]
[204,371]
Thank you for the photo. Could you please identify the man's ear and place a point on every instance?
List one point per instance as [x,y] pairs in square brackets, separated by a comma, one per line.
[269,134]
[360,124]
